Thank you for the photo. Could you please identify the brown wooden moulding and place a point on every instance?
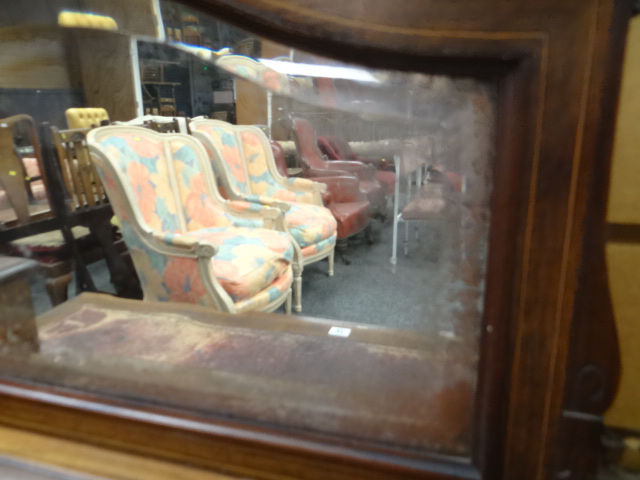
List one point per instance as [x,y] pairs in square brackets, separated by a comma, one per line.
[557,65]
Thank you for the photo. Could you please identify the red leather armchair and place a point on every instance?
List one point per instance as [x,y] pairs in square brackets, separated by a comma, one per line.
[343,197]
[313,166]
[336,148]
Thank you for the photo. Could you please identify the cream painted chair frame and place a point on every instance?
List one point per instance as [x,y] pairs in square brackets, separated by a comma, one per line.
[181,122]
[176,245]
[316,189]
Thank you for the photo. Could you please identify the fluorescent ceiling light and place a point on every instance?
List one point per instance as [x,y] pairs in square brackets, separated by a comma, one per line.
[322,71]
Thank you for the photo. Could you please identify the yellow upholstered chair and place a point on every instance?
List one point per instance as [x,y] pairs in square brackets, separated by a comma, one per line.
[85,117]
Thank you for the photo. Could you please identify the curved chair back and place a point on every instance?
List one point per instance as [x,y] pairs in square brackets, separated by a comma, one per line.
[148,177]
[305,139]
[279,158]
[328,148]
[336,148]
[160,124]
[264,177]
[242,157]
[223,147]
[165,180]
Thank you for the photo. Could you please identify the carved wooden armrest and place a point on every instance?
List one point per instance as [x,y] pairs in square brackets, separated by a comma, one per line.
[171,244]
[272,218]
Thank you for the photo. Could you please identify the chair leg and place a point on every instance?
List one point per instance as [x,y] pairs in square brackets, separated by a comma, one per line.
[368,235]
[332,256]
[406,239]
[381,211]
[58,289]
[297,288]
[287,304]
[341,247]
[123,277]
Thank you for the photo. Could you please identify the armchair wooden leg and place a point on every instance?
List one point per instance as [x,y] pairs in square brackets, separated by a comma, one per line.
[287,304]
[332,257]
[406,238]
[297,288]
[341,246]
[368,234]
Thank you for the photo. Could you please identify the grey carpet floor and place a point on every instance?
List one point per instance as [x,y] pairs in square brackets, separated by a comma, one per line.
[369,292]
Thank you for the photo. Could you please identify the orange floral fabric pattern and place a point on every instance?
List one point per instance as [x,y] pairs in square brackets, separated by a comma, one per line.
[233,165]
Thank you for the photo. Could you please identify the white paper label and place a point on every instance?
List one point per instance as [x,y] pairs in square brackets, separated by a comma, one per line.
[339,331]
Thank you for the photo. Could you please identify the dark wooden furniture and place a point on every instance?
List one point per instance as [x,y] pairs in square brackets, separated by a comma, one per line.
[86,203]
[18,333]
[13,176]
[548,351]
[192,342]
[27,217]
[75,197]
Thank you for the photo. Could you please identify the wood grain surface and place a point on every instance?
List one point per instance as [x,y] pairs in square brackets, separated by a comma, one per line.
[33,58]
[106,69]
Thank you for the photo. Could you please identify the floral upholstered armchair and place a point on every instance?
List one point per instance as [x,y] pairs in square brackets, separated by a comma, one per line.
[242,159]
[188,244]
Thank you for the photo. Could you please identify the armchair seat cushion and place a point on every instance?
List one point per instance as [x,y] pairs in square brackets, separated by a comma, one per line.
[248,258]
[310,224]
[352,217]
[269,294]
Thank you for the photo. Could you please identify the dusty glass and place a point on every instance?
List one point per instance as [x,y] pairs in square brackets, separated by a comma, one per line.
[387,349]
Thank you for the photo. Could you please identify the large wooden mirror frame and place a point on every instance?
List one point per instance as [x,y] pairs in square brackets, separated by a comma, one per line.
[548,358]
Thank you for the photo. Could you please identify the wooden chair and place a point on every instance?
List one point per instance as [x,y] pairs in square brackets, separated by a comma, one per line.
[168,107]
[87,205]
[191,30]
[160,124]
[33,228]
[13,176]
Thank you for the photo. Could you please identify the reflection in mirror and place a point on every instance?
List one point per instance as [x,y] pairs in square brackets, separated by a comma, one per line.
[237,175]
